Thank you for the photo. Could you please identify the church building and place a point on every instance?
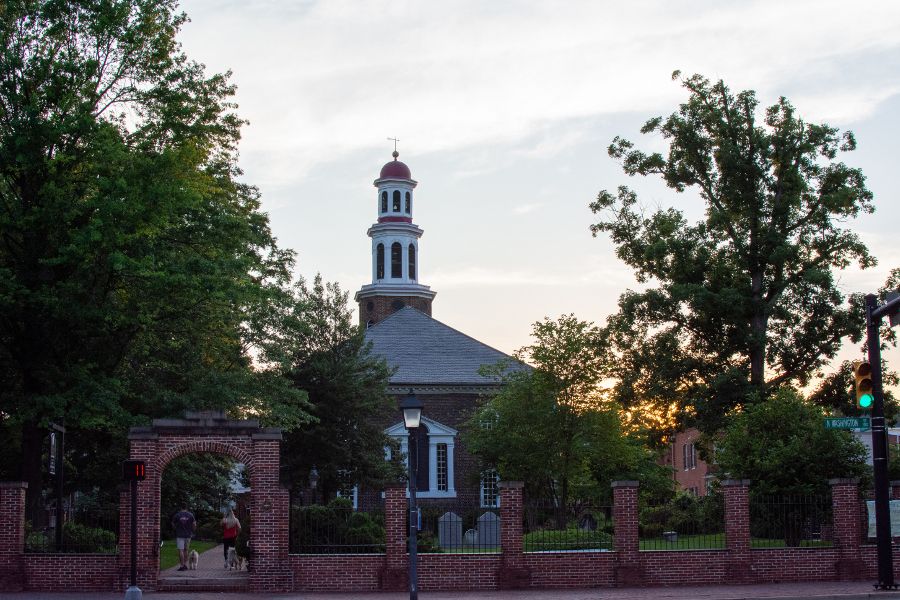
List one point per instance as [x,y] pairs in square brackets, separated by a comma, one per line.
[436,362]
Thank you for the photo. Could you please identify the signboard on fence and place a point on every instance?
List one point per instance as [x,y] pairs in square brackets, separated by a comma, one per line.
[895,518]
[857,423]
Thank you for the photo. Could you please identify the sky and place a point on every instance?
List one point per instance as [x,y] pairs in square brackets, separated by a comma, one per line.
[504,110]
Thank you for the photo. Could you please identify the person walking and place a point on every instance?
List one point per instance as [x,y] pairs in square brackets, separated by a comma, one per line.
[184,525]
[231,527]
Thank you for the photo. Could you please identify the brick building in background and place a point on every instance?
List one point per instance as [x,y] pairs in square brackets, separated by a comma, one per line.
[436,362]
[689,472]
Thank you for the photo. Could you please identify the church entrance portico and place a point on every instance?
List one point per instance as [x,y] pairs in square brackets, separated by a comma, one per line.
[255,447]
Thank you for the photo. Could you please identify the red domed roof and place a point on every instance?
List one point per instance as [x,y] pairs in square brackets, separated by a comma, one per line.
[395,170]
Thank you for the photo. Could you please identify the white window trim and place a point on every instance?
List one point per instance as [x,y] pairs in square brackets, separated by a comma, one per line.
[438,433]
[354,496]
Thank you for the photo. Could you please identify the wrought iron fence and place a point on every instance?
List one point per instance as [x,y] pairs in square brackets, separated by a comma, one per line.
[458,528]
[793,521]
[336,529]
[685,522]
[580,527]
[83,532]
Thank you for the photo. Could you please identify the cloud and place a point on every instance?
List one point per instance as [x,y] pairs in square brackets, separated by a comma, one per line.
[523,209]
[322,80]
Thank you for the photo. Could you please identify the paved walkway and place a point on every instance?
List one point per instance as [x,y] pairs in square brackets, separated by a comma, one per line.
[783,591]
[210,565]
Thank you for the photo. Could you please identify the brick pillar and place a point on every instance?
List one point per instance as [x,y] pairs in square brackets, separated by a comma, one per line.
[738,567]
[270,571]
[626,542]
[142,446]
[512,574]
[395,576]
[845,507]
[12,535]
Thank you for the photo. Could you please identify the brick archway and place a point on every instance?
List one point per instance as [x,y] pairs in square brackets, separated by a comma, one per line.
[211,431]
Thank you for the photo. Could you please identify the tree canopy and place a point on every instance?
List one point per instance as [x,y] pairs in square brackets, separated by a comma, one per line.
[782,446]
[744,300]
[137,274]
[347,387]
[550,427]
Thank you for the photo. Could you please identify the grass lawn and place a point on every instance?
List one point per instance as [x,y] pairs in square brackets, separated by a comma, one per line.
[168,554]
[711,541]
[566,539]
[716,541]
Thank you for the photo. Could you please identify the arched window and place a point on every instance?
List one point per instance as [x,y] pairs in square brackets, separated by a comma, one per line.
[379,261]
[396,200]
[412,261]
[408,200]
[396,260]
[384,202]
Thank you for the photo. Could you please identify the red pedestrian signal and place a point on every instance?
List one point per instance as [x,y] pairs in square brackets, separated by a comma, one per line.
[134,470]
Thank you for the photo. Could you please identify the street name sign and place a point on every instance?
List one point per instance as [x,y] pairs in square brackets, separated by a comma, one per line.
[858,423]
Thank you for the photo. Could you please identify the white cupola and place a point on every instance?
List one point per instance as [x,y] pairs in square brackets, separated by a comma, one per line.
[395,249]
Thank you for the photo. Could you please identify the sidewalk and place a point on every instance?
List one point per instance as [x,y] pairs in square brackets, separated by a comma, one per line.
[835,590]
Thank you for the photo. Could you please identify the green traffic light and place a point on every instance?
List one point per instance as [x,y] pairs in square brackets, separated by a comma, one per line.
[866,400]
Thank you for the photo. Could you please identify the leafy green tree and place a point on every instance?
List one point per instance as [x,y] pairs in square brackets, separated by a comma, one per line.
[549,426]
[745,298]
[137,276]
[783,447]
[347,387]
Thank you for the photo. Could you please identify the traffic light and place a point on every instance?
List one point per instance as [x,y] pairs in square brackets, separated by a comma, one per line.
[862,374]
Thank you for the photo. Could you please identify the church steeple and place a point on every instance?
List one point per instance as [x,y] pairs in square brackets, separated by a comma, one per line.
[395,249]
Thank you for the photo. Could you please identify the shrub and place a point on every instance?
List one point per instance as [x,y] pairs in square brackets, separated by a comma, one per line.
[335,527]
[80,538]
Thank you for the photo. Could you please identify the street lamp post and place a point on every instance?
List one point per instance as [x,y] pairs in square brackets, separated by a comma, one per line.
[412,416]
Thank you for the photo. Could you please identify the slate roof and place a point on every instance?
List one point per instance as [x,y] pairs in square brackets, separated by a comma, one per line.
[425,351]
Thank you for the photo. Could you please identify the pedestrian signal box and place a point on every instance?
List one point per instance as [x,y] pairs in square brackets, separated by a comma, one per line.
[134,470]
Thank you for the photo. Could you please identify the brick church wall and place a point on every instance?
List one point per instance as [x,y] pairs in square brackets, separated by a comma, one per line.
[453,410]
[376,308]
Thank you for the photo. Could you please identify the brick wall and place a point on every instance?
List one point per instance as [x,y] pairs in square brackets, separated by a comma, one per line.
[12,534]
[511,568]
[71,572]
[373,309]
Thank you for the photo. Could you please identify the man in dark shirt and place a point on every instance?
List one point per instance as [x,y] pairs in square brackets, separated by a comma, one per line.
[184,524]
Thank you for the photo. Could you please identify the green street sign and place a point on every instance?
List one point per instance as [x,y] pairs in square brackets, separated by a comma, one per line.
[858,423]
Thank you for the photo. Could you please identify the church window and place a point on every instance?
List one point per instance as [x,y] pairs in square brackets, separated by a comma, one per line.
[441,466]
[396,260]
[490,490]
[408,200]
[379,262]
[384,202]
[396,200]
[412,261]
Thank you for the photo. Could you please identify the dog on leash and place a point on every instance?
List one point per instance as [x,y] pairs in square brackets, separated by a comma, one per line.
[235,562]
[193,558]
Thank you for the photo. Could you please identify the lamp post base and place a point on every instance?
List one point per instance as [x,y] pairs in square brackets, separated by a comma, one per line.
[133,593]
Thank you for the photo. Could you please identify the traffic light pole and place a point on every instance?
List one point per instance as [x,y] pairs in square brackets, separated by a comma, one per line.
[879,448]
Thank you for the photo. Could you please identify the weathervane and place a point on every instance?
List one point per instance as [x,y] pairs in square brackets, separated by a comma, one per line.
[395,153]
